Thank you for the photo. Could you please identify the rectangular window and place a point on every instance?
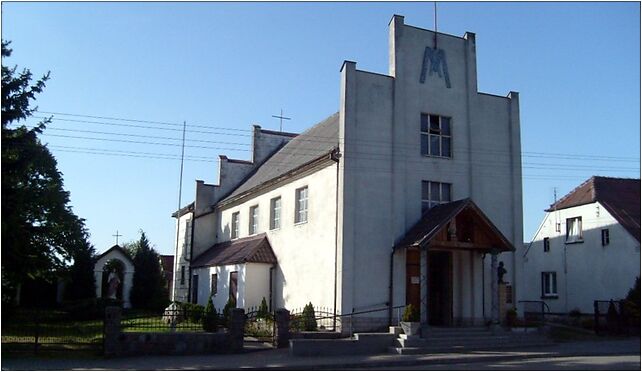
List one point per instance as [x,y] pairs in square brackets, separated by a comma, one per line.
[195,288]
[235,225]
[214,285]
[275,213]
[301,209]
[549,284]
[574,230]
[436,135]
[547,245]
[254,220]
[182,275]
[434,193]
[605,237]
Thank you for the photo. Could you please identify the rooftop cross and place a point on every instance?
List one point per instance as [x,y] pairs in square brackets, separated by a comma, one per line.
[281,117]
[117,235]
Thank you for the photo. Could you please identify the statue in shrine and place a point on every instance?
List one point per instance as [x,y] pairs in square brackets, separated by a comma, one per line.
[500,272]
[112,284]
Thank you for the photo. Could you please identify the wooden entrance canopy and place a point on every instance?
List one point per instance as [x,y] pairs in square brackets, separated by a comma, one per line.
[458,225]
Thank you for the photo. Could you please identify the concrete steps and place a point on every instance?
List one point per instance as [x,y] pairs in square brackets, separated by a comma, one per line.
[361,343]
[445,340]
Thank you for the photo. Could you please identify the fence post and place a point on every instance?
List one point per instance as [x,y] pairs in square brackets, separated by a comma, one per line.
[36,346]
[282,331]
[237,329]
[111,344]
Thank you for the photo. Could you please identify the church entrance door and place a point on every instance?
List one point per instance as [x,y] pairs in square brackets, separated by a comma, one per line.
[439,288]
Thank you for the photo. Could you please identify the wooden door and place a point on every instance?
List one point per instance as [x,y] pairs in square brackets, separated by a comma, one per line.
[234,277]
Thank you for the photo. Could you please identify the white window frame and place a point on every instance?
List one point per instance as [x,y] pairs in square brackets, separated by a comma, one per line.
[574,233]
[213,284]
[549,284]
[429,201]
[301,199]
[427,132]
[275,213]
[234,233]
[253,227]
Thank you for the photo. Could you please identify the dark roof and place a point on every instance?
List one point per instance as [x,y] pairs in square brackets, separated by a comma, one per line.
[436,218]
[300,150]
[167,262]
[117,248]
[186,209]
[251,249]
[620,196]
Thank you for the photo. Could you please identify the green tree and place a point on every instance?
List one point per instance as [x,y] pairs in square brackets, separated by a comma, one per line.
[39,229]
[148,288]
[82,283]
[210,317]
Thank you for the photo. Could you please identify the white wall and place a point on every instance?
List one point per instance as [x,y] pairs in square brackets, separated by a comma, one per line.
[305,252]
[585,271]
[382,166]
[128,274]
[180,291]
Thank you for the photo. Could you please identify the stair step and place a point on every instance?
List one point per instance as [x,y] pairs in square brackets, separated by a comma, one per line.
[469,347]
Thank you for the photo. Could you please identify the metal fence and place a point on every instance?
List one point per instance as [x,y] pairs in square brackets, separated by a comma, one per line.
[259,323]
[178,319]
[619,317]
[535,311]
[314,319]
[38,330]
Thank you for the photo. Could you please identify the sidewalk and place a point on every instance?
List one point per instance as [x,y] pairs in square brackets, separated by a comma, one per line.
[280,359]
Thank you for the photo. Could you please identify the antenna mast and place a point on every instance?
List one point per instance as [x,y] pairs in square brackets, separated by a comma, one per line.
[435,24]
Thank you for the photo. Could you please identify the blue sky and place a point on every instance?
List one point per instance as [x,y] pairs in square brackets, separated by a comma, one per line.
[222,67]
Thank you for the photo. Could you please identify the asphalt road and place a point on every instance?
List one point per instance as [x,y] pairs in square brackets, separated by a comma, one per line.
[579,363]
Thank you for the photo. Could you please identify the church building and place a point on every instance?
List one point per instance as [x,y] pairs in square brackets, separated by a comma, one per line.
[409,194]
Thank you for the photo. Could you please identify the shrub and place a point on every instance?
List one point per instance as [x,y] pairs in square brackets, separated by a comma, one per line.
[193,312]
[410,314]
[575,313]
[263,312]
[309,318]
[511,317]
[227,312]
[210,318]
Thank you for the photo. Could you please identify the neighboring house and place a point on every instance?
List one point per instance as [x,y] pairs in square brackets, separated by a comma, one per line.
[408,194]
[587,248]
[167,267]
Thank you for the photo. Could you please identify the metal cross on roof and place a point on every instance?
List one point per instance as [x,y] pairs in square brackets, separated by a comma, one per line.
[281,117]
[117,235]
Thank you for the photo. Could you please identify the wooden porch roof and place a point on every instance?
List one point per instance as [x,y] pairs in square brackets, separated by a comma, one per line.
[456,225]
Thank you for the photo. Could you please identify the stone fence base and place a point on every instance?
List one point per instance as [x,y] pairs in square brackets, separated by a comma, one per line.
[117,343]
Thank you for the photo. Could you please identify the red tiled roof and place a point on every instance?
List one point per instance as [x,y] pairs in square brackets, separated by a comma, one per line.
[251,249]
[620,196]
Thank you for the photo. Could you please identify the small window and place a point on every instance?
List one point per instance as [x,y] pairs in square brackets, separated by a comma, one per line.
[547,245]
[214,285]
[574,230]
[435,135]
[549,284]
[275,213]
[254,220]
[301,209]
[235,225]
[195,288]
[183,275]
[605,237]
[434,193]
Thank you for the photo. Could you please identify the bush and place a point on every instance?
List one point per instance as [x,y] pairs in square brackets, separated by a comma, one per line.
[410,314]
[511,317]
[263,312]
[309,318]
[210,318]
[193,312]
[575,313]
[90,308]
[227,312]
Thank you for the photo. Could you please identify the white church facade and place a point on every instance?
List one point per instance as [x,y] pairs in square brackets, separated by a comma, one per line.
[409,194]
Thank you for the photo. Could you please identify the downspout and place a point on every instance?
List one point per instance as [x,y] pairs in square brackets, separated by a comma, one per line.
[336,243]
[483,287]
[191,250]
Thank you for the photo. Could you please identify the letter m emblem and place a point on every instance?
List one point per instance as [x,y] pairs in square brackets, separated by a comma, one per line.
[436,58]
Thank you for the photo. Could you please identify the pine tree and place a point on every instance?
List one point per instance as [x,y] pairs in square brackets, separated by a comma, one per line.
[147,287]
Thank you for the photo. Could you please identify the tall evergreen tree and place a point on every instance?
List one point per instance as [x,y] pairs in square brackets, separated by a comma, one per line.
[147,287]
[38,225]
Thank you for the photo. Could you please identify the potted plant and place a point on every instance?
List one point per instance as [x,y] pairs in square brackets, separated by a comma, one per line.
[410,321]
